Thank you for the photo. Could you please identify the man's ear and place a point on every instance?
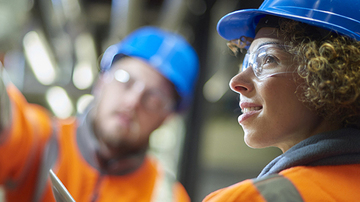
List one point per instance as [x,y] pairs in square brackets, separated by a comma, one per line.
[169,116]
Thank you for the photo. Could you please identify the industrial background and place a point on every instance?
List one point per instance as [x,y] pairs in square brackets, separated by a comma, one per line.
[51,50]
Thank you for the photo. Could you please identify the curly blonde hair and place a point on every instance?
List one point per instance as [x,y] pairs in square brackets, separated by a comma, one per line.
[328,69]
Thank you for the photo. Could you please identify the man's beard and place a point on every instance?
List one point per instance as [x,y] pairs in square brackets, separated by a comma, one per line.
[120,138]
[119,151]
[112,144]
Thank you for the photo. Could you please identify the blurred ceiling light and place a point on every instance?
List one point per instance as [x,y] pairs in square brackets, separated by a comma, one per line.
[71,8]
[39,57]
[85,70]
[59,102]
[83,102]
[197,7]
[215,87]
[83,76]
[119,19]
[172,14]
[14,15]
[85,48]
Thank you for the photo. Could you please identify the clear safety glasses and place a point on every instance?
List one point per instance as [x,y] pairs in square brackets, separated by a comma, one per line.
[153,100]
[267,61]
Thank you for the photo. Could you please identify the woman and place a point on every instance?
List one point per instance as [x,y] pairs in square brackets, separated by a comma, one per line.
[299,89]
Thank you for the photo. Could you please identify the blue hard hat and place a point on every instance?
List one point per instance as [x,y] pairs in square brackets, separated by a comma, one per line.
[167,52]
[341,16]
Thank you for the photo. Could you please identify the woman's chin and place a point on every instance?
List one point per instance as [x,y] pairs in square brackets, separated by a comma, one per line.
[256,143]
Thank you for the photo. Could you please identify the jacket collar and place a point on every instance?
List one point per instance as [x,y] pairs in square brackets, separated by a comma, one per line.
[330,148]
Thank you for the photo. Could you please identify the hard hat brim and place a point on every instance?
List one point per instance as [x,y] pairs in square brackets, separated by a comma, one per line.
[243,22]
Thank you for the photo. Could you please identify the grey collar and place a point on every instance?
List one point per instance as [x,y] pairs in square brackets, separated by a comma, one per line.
[330,148]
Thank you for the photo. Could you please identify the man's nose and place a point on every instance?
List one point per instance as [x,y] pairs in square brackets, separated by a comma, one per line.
[134,96]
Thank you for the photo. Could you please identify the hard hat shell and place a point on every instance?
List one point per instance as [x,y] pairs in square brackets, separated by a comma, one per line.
[168,53]
[341,16]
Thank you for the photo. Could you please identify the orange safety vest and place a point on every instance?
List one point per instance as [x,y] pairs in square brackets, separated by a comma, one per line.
[22,152]
[297,184]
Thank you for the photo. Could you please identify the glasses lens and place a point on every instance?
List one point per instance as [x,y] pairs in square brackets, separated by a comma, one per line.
[152,99]
[122,76]
[266,60]
[155,101]
[245,63]
[259,58]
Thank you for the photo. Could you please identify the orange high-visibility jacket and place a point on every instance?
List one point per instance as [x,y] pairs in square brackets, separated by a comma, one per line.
[302,183]
[324,167]
[29,141]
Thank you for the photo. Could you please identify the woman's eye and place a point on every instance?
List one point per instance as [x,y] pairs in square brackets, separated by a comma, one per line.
[268,59]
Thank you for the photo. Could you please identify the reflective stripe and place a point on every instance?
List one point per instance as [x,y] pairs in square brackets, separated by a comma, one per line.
[5,107]
[164,185]
[277,188]
[50,156]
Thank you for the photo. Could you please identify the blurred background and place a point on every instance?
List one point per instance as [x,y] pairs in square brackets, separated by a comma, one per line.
[51,50]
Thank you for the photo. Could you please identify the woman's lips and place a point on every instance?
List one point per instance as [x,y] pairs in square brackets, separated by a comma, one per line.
[248,110]
[247,115]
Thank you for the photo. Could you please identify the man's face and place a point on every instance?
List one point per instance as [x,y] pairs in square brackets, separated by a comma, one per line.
[132,100]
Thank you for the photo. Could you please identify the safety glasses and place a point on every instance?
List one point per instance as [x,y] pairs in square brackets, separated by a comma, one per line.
[152,99]
[267,61]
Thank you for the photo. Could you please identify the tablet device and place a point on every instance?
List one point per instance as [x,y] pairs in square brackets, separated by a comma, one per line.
[60,192]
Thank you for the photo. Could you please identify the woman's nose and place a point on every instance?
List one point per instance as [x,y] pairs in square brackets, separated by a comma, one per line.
[242,83]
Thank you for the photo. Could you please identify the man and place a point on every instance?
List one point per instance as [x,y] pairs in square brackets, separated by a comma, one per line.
[101,155]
